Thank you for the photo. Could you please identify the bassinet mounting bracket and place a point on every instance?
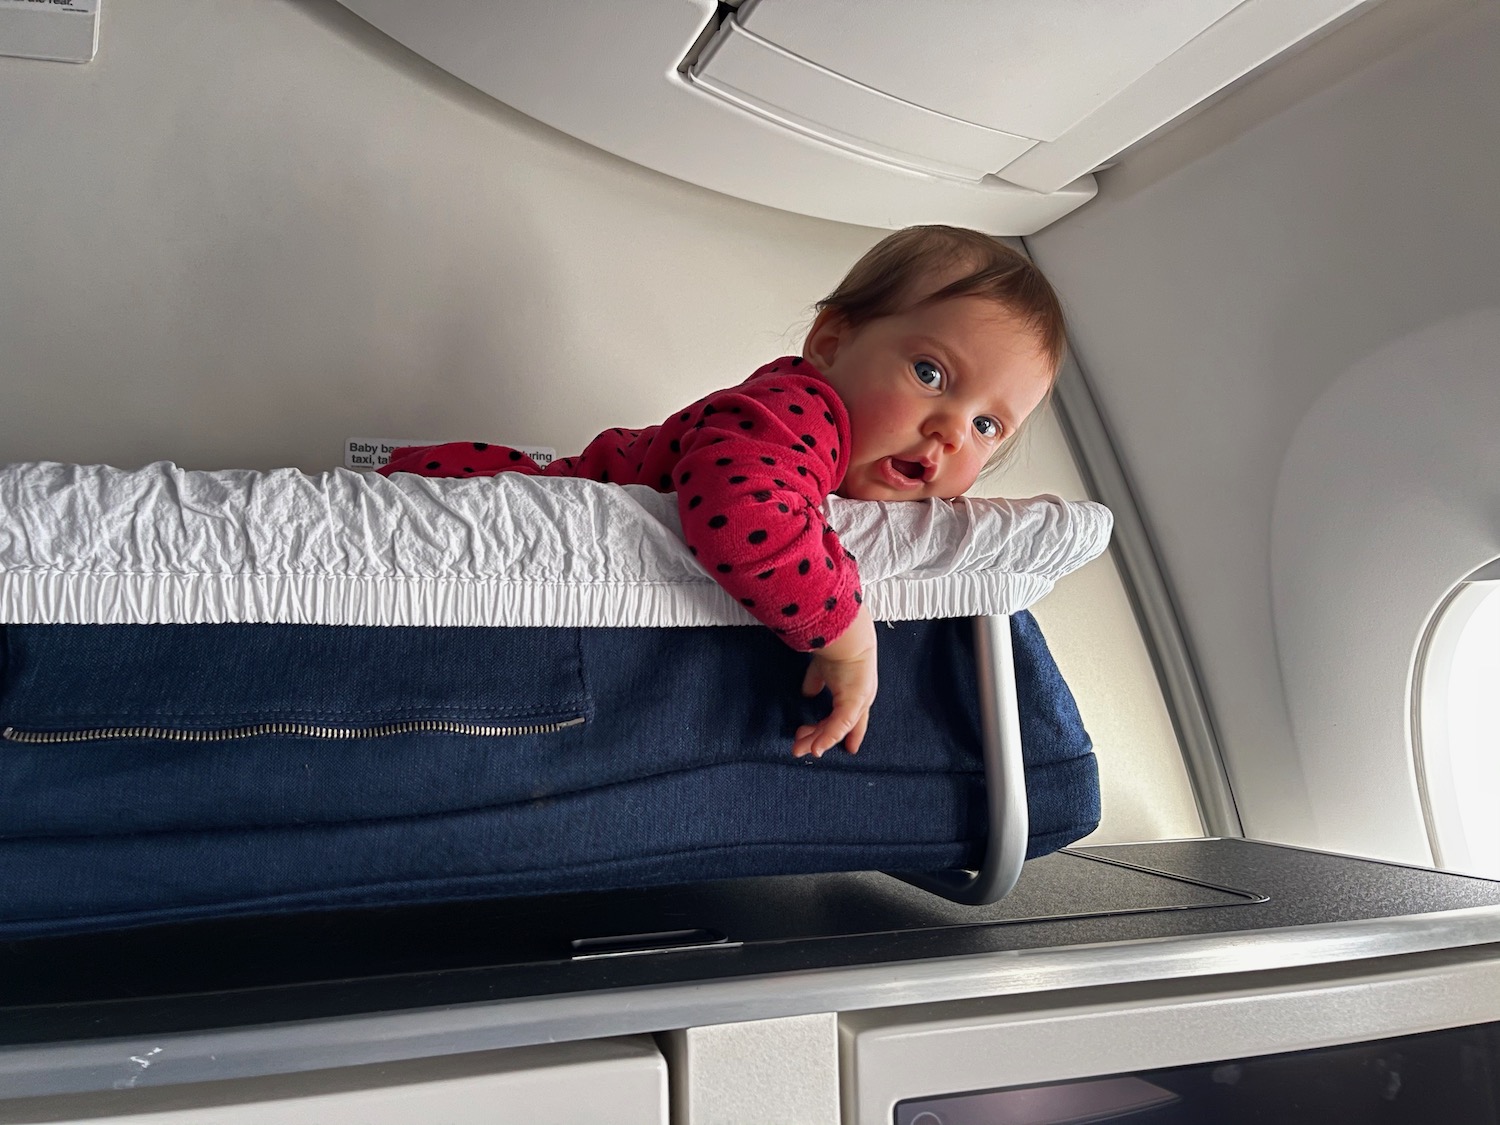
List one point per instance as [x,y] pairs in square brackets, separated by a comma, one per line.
[1004,772]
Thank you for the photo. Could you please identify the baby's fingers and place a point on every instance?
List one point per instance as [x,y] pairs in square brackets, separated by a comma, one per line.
[803,740]
[855,732]
[847,723]
[812,740]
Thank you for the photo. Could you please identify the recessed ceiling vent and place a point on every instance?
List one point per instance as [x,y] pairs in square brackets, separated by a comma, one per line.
[764,78]
[1037,94]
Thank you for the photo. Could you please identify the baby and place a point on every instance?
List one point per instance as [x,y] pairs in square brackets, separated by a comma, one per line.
[917,370]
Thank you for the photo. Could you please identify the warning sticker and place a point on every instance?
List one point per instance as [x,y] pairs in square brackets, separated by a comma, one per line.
[82,7]
[372,453]
[51,30]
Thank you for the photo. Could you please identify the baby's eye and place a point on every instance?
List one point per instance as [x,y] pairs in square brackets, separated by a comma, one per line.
[986,426]
[927,373]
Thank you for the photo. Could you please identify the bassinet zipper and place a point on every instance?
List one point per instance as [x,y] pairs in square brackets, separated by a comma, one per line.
[169,734]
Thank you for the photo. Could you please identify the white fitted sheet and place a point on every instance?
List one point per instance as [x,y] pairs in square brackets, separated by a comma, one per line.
[90,544]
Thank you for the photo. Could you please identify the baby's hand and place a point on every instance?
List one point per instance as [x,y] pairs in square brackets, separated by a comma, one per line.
[846,668]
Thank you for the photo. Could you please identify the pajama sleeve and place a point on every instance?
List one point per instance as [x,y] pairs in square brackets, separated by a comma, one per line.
[458,459]
[757,463]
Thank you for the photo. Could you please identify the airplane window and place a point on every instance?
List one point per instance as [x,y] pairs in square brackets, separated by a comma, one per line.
[1458,726]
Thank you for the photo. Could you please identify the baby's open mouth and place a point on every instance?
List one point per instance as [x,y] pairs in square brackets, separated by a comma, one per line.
[912,470]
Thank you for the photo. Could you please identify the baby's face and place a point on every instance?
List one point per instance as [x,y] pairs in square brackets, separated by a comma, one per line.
[931,393]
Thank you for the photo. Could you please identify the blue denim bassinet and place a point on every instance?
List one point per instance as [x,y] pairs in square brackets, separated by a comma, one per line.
[156,773]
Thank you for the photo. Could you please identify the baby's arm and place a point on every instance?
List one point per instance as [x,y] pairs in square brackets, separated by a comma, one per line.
[750,490]
[458,459]
[750,493]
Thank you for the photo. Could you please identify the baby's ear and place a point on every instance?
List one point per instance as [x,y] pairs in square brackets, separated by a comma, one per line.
[824,338]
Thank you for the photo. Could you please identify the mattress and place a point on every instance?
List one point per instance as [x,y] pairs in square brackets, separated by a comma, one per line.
[94,544]
[165,773]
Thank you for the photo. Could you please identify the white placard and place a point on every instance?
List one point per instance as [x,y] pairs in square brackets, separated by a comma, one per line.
[55,30]
[372,453]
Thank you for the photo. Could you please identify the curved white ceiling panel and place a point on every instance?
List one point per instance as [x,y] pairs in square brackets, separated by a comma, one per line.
[607,72]
[764,78]
[984,113]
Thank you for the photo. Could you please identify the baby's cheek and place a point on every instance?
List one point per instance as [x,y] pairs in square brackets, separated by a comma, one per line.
[963,481]
[855,487]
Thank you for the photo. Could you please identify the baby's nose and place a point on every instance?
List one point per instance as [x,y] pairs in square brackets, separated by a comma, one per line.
[947,430]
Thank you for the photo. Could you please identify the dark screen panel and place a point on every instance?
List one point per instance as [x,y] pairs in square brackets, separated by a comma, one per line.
[1439,1078]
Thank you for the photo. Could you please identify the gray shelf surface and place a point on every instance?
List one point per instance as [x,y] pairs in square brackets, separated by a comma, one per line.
[243,997]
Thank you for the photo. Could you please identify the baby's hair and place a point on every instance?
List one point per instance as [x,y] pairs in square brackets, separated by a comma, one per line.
[889,279]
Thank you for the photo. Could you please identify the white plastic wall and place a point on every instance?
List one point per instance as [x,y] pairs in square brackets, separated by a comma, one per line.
[1290,309]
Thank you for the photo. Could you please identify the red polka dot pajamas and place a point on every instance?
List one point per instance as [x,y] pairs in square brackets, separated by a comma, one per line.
[751,466]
